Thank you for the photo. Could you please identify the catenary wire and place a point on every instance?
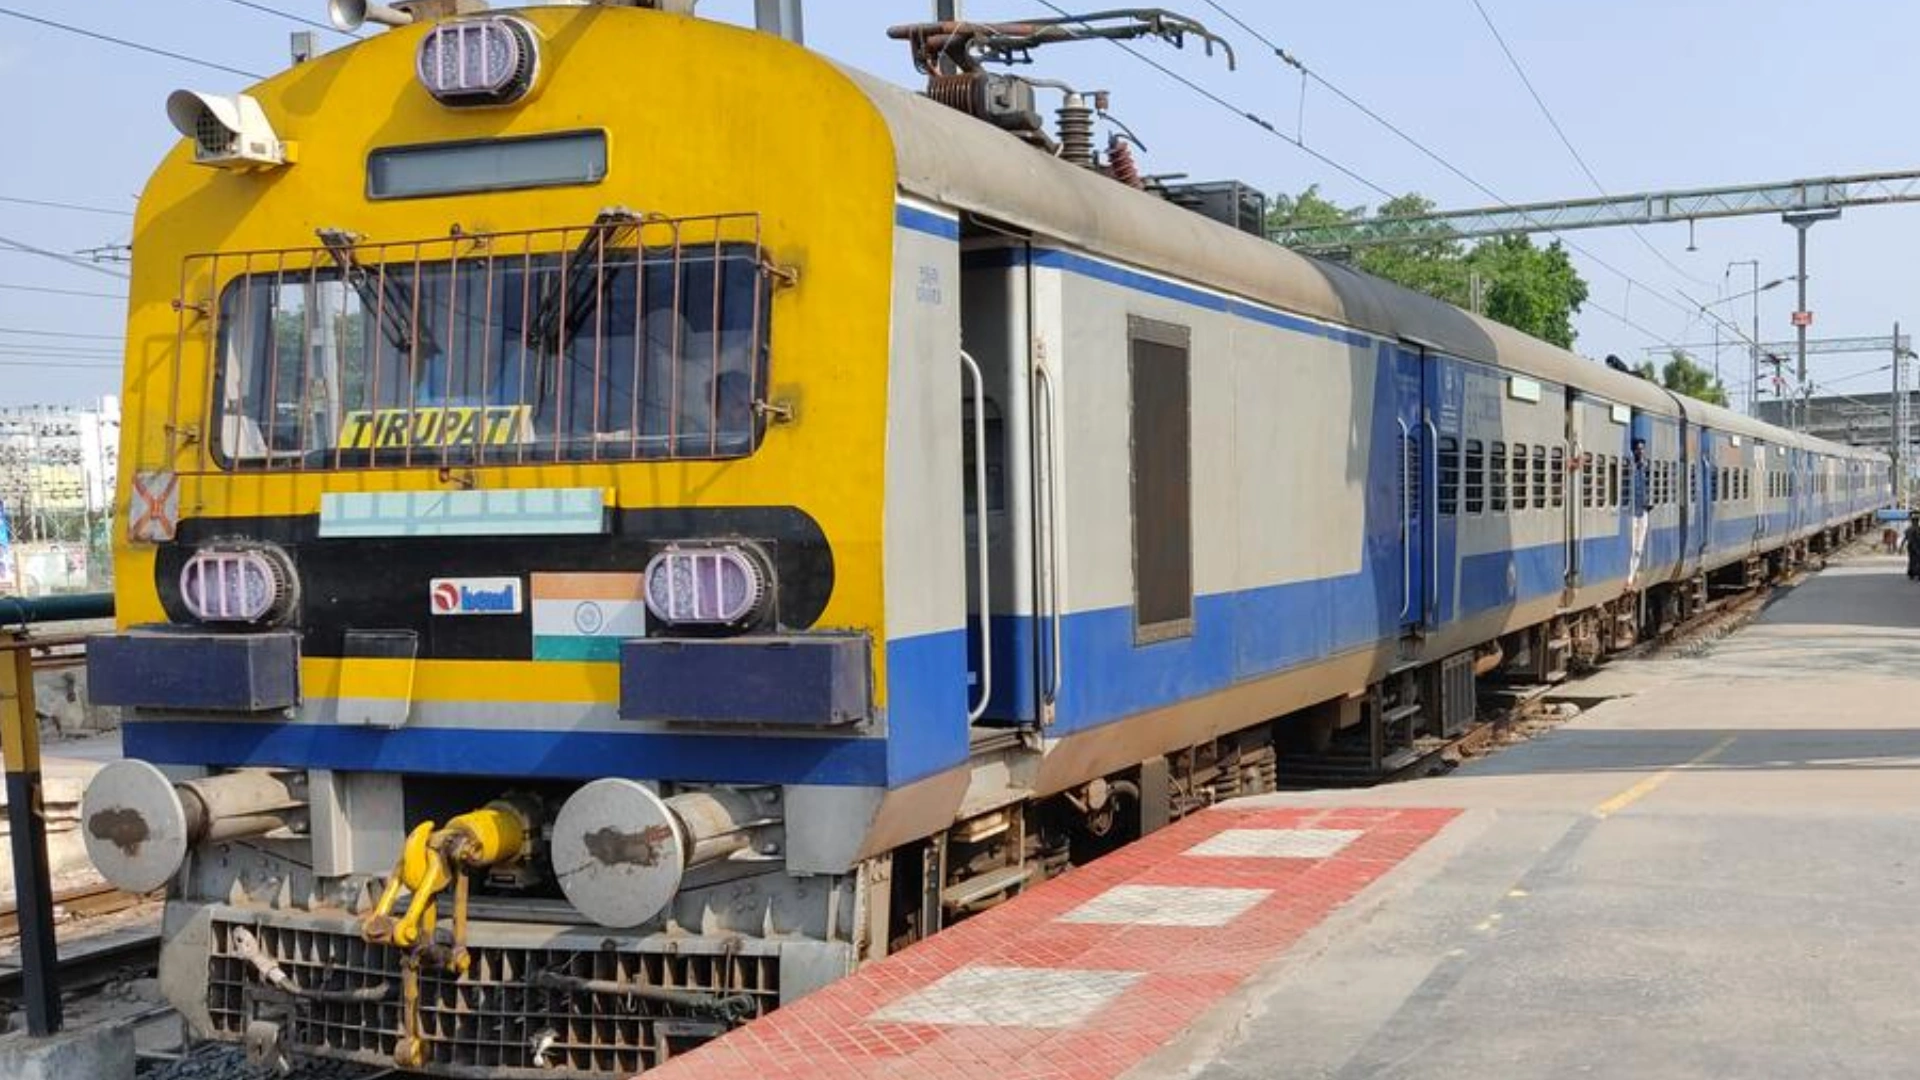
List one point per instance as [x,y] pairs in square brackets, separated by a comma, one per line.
[10,287]
[315,23]
[1245,114]
[80,264]
[59,334]
[1554,123]
[52,205]
[1573,245]
[126,44]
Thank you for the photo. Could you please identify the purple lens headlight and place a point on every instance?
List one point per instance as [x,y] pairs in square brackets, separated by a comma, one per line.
[705,586]
[237,585]
[487,61]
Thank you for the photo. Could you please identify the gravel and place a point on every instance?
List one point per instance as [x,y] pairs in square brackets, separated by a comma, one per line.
[218,1061]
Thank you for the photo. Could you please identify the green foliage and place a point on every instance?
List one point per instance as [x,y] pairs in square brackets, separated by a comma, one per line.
[1683,376]
[1533,289]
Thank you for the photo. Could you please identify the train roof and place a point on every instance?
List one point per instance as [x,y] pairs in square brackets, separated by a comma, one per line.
[949,158]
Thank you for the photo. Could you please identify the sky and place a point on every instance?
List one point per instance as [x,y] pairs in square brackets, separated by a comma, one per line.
[1653,94]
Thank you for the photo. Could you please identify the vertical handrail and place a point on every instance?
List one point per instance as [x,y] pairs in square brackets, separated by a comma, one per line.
[981,556]
[1044,383]
[1406,519]
[1432,559]
[1570,480]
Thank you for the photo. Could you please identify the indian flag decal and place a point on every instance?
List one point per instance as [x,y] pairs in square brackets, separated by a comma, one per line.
[586,616]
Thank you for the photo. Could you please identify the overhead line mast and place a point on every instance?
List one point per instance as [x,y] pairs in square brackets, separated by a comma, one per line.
[1645,208]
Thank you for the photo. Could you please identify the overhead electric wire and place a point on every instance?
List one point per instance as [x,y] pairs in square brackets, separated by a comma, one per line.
[63,366]
[1245,114]
[315,23]
[1568,143]
[1881,370]
[17,348]
[80,264]
[126,44]
[62,292]
[1293,61]
[51,205]
[59,334]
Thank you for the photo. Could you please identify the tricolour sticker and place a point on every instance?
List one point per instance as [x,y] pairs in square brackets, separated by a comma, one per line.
[586,616]
[476,596]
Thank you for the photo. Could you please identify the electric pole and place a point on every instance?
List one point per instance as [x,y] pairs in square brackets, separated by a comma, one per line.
[1901,419]
[1753,342]
[1802,220]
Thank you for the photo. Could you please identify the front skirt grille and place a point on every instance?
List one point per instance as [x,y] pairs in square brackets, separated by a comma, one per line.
[564,1006]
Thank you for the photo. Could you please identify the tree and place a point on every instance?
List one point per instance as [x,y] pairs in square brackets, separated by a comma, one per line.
[1682,376]
[1534,290]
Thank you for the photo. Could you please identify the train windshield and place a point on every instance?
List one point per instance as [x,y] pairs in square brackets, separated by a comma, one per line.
[634,354]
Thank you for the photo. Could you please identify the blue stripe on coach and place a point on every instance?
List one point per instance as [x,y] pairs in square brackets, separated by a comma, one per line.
[482,752]
[925,221]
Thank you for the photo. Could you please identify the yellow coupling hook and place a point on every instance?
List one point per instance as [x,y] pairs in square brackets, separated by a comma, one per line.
[433,858]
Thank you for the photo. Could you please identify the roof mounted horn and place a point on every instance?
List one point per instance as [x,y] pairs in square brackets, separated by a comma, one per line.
[349,15]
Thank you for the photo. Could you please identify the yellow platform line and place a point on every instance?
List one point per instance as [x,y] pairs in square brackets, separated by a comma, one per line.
[1647,786]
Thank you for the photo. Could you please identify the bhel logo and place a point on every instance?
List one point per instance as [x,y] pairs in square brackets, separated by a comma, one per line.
[475,596]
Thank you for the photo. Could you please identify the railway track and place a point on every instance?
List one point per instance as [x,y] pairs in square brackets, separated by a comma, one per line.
[1527,704]
[83,902]
[91,963]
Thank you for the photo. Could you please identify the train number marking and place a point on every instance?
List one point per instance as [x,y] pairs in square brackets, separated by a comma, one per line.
[927,290]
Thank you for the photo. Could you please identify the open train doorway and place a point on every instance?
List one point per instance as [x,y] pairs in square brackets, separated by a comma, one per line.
[1008,416]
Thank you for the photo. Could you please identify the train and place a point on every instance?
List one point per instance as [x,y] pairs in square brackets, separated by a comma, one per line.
[627,520]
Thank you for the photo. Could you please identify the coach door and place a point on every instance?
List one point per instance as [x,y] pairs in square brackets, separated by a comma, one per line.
[1416,434]
[1579,469]
[1008,411]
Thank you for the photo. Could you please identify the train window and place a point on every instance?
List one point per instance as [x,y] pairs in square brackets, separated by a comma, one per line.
[1448,454]
[1476,469]
[1539,478]
[1519,470]
[1558,477]
[642,353]
[1497,478]
[1613,482]
[1162,425]
[456,168]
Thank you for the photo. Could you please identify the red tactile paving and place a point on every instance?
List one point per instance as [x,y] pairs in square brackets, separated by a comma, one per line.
[1180,970]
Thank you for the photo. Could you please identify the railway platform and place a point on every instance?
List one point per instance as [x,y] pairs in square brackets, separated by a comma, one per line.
[1711,871]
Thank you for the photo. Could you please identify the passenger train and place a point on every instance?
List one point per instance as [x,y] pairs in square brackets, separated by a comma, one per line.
[628,520]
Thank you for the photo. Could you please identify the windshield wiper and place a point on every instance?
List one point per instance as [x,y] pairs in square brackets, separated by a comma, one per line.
[391,301]
[576,293]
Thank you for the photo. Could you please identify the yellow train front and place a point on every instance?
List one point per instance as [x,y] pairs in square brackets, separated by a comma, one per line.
[511,680]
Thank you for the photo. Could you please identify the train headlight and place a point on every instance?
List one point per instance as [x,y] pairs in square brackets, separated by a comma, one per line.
[245,585]
[722,585]
[227,132]
[489,61]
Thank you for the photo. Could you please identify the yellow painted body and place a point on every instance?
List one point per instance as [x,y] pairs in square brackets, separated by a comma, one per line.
[700,119]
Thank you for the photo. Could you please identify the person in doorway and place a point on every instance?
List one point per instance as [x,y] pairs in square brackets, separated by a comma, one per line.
[1642,502]
[1912,540]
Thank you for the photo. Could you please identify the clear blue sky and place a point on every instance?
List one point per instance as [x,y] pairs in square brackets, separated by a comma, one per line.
[1654,95]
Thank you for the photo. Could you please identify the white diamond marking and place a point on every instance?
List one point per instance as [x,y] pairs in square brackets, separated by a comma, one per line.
[1166,905]
[977,996]
[1275,843]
